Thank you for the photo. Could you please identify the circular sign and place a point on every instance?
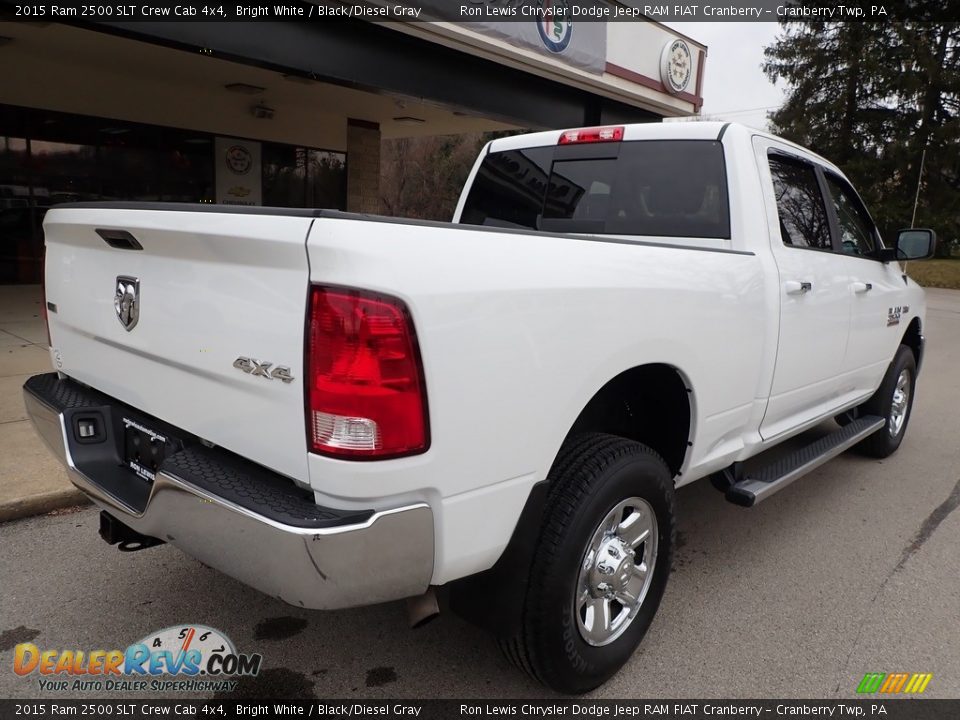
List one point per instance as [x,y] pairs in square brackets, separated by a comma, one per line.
[554,25]
[202,640]
[676,66]
[239,159]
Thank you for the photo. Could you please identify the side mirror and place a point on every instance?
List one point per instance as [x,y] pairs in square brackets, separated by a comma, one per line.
[915,244]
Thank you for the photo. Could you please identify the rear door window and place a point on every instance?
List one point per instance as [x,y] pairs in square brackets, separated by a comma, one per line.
[671,188]
[800,207]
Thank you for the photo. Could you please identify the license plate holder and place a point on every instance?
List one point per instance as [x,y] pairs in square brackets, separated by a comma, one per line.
[144,448]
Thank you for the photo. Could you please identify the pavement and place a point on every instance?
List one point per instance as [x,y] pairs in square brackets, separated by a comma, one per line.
[852,569]
[31,480]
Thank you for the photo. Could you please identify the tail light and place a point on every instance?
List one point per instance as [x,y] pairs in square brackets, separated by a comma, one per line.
[591,135]
[366,396]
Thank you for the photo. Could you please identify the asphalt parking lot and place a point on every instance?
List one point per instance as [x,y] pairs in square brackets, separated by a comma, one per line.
[852,569]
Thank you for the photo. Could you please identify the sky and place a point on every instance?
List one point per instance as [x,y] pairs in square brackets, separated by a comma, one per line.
[734,86]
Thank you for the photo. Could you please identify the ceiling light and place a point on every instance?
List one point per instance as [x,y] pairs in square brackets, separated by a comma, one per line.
[262,112]
[244,88]
[407,120]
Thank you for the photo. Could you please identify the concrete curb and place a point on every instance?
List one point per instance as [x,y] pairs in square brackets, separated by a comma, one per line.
[40,503]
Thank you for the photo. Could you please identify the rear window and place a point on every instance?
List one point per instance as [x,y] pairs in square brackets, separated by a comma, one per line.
[672,188]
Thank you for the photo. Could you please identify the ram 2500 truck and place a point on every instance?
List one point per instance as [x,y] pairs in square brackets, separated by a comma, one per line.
[342,409]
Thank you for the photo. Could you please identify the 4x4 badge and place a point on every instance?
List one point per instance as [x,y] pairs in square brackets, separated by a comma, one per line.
[126,301]
[257,367]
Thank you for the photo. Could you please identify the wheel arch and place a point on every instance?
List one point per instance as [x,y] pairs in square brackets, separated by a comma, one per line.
[651,404]
[613,409]
[913,339]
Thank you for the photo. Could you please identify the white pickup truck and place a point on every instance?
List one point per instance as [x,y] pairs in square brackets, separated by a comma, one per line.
[341,409]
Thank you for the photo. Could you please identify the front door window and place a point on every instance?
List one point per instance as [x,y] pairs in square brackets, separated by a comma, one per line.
[857,236]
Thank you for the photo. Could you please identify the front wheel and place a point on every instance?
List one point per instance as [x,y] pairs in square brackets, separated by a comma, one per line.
[893,401]
[601,563]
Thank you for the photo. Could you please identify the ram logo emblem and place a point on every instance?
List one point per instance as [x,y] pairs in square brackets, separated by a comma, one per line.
[126,301]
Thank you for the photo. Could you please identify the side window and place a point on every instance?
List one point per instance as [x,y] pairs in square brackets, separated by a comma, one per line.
[803,216]
[856,229]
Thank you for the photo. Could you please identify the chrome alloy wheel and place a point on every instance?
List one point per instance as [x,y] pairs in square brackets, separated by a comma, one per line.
[900,404]
[616,571]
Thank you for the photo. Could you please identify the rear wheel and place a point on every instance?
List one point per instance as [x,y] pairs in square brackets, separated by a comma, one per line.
[600,565]
[893,401]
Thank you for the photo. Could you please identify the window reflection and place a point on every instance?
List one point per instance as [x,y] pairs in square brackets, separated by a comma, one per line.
[803,216]
[16,237]
[186,167]
[47,158]
[284,174]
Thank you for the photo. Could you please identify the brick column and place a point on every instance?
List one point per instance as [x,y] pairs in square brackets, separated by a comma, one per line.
[363,166]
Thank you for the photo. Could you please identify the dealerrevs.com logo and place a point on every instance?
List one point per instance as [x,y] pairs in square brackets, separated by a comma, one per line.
[189,658]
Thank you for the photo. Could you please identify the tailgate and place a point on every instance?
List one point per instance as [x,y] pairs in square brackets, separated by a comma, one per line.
[211,287]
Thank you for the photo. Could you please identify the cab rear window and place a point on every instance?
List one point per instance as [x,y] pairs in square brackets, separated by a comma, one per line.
[671,188]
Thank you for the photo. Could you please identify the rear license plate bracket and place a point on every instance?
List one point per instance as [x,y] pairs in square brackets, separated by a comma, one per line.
[144,449]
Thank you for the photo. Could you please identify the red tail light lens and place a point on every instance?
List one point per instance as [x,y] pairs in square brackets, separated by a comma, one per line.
[591,135]
[366,396]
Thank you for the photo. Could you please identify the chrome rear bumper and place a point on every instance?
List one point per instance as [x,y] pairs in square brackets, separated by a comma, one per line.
[387,555]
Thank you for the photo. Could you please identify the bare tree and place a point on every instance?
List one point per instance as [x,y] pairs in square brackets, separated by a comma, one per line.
[422,177]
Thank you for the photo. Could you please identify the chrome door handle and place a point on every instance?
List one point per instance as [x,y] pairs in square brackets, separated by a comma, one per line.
[796,287]
[862,287]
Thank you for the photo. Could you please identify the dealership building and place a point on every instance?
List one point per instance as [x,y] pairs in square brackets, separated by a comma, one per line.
[292,114]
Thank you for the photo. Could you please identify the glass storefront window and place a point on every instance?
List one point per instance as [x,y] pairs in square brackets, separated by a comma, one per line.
[48,158]
[327,177]
[62,172]
[284,175]
[302,177]
[128,162]
[15,211]
[186,165]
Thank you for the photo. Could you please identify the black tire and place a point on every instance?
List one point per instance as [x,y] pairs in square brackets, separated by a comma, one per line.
[884,442]
[593,473]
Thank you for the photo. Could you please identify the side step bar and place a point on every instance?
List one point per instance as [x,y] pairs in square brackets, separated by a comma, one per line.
[761,484]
